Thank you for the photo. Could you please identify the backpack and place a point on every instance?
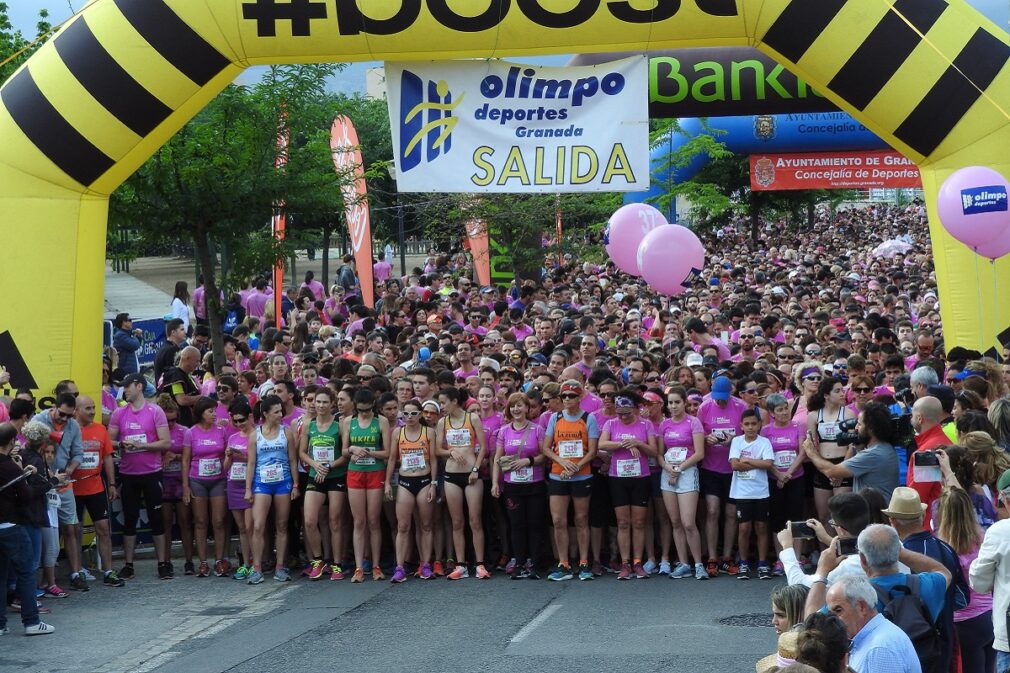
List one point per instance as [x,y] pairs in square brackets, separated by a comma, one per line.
[231,321]
[908,611]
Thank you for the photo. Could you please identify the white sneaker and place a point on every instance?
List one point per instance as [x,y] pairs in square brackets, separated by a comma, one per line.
[87,574]
[39,629]
[664,567]
[650,567]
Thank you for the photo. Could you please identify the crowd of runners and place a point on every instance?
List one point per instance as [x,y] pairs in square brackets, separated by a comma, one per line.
[574,427]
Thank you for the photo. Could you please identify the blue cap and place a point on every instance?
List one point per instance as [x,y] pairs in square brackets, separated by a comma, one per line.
[538,358]
[962,375]
[721,388]
[423,354]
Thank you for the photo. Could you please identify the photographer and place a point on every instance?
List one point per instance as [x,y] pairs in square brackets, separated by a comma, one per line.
[876,465]
[19,486]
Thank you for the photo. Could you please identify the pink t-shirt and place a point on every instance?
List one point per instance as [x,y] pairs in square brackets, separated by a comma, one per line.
[524,443]
[289,420]
[317,289]
[491,424]
[109,404]
[978,603]
[174,469]
[678,436]
[785,443]
[522,332]
[460,374]
[256,304]
[622,462]
[724,420]
[206,452]
[140,426]
[590,403]
[381,271]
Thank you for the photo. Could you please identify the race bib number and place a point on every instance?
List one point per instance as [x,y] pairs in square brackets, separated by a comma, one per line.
[522,475]
[457,438]
[629,467]
[412,461]
[746,474]
[237,472]
[271,474]
[570,448]
[136,439]
[54,498]
[90,460]
[829,431]
[676,455]
[323,454]
[209,467]
[367,460]
[174,466]
[783,459]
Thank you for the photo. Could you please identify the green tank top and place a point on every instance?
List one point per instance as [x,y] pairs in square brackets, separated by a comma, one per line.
[369,437]
[325,447]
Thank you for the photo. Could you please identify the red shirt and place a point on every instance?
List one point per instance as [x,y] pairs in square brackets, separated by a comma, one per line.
[96,447]
[929,492]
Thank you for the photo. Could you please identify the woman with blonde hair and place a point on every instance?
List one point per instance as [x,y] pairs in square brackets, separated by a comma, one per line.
[806,379]
[999,416]
[958,527]
[989,459]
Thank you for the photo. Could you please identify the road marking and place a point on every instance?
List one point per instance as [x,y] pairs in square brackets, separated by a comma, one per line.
[535,623]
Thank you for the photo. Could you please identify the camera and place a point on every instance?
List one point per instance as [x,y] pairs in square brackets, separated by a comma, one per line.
[847,433]
[925,459]
[905,396]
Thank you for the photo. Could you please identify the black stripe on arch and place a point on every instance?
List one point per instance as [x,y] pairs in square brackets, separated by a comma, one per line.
[107,81]
[954,93]
[171,37]
[799,24]
[883,51]
[43,125]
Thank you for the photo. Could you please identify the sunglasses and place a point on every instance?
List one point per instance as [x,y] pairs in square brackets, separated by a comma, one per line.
[411,414]
[239,419]
[749,391]
[363,379]
[224,389]
[812,352]
[364,409]
[863,389]
[64,415]
[651,379]
[569,396]
[811,378]
[607,396]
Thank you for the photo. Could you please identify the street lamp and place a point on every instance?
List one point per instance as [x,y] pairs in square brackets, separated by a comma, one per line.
[399,222]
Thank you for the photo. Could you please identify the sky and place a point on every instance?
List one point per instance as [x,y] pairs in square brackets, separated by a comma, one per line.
[24,14]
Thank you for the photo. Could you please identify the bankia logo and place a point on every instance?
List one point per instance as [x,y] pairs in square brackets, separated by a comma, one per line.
[426,120]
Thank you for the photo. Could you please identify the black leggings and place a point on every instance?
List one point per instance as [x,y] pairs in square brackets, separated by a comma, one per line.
[975,636]
[526,505]
[133,488]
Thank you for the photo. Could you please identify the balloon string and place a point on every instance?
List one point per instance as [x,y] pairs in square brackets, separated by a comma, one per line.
[981,312]
[996,306]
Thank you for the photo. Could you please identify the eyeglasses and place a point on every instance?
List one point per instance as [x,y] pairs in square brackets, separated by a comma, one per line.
[862,390]
[239,419]
[411,414]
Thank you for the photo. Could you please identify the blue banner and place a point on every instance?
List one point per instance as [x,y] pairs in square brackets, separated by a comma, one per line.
[153,339]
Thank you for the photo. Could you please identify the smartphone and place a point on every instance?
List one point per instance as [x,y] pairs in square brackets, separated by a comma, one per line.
[847,546]
[925,459]
[802,531]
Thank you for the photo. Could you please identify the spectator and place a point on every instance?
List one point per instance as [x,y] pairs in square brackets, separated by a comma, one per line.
[127,342]
[991,571]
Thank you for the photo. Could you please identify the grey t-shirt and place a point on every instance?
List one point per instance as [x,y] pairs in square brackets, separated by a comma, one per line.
[876,466]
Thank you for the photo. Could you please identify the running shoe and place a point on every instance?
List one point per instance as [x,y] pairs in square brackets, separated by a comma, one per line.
[460,572]
[282,575]
[681,571]
[640,572]
[164,571]
[255,577]
[241,573]
[650,567]
[39,629]
[597,569]
[482,573]
[127,572]
[585,573]
[426,573]
[203,570]
[188,568]
[503,562]
[87,575]
[778,570]
[743,572]
[520,573]
[221,568]
[729,567]
[764,572]
[78,583]
[316,569]
[450,565]
[336,572]
[358,577]
[531,570]
[712,568]
[625,573]
[664,568]
[111,579]
[562,574]
[700,573]
[510,567]
[439,569]
[613,568]
[55,591]
[15,606]
[399,575]
[377,574]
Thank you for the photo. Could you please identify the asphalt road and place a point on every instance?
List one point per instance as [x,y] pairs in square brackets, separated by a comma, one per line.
[213,625]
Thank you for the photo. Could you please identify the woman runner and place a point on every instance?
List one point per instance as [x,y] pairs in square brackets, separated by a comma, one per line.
[235,463]
[319,449]
[203,484]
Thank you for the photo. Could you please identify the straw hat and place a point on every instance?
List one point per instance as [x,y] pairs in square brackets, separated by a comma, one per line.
[905,504]
[785,656]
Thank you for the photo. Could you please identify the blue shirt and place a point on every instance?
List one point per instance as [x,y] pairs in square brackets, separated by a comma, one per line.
[932,589]
[882,647]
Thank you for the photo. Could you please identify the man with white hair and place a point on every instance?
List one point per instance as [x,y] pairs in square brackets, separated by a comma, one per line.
[878,645]
[990,571]
[921,379]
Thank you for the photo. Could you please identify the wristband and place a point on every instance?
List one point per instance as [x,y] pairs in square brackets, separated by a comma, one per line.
[819,579]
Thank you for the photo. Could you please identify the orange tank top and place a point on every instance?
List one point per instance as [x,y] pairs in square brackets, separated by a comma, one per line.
[414,454]
[463,436]
[571,441]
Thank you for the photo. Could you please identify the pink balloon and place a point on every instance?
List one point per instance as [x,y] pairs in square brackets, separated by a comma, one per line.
[995,248]
[626,229]
[670,258]
[973,206]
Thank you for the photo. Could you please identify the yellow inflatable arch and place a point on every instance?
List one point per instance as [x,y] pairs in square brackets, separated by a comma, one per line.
[114,84]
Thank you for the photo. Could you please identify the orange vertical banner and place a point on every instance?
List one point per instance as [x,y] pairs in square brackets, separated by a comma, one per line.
[279,221]
[477,237]
[347,157]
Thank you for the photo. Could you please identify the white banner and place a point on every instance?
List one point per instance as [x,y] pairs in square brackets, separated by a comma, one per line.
[495,126]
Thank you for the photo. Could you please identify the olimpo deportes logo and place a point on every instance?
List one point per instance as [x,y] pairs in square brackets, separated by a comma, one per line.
[426,120]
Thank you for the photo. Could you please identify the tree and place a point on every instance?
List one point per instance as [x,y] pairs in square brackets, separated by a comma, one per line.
[14,48]
[216,181]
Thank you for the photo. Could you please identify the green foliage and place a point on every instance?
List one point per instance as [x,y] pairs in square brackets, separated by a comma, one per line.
[12,42]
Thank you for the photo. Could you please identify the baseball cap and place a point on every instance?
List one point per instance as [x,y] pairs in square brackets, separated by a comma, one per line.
[134,378]
[538,359]
[652,398]
[1003,483]
[710,361]
[694,360]
[721,388]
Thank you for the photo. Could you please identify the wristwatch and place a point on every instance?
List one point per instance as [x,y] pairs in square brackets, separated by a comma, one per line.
[474,469]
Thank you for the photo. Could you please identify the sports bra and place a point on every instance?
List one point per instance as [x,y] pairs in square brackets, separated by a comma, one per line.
[827,431]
